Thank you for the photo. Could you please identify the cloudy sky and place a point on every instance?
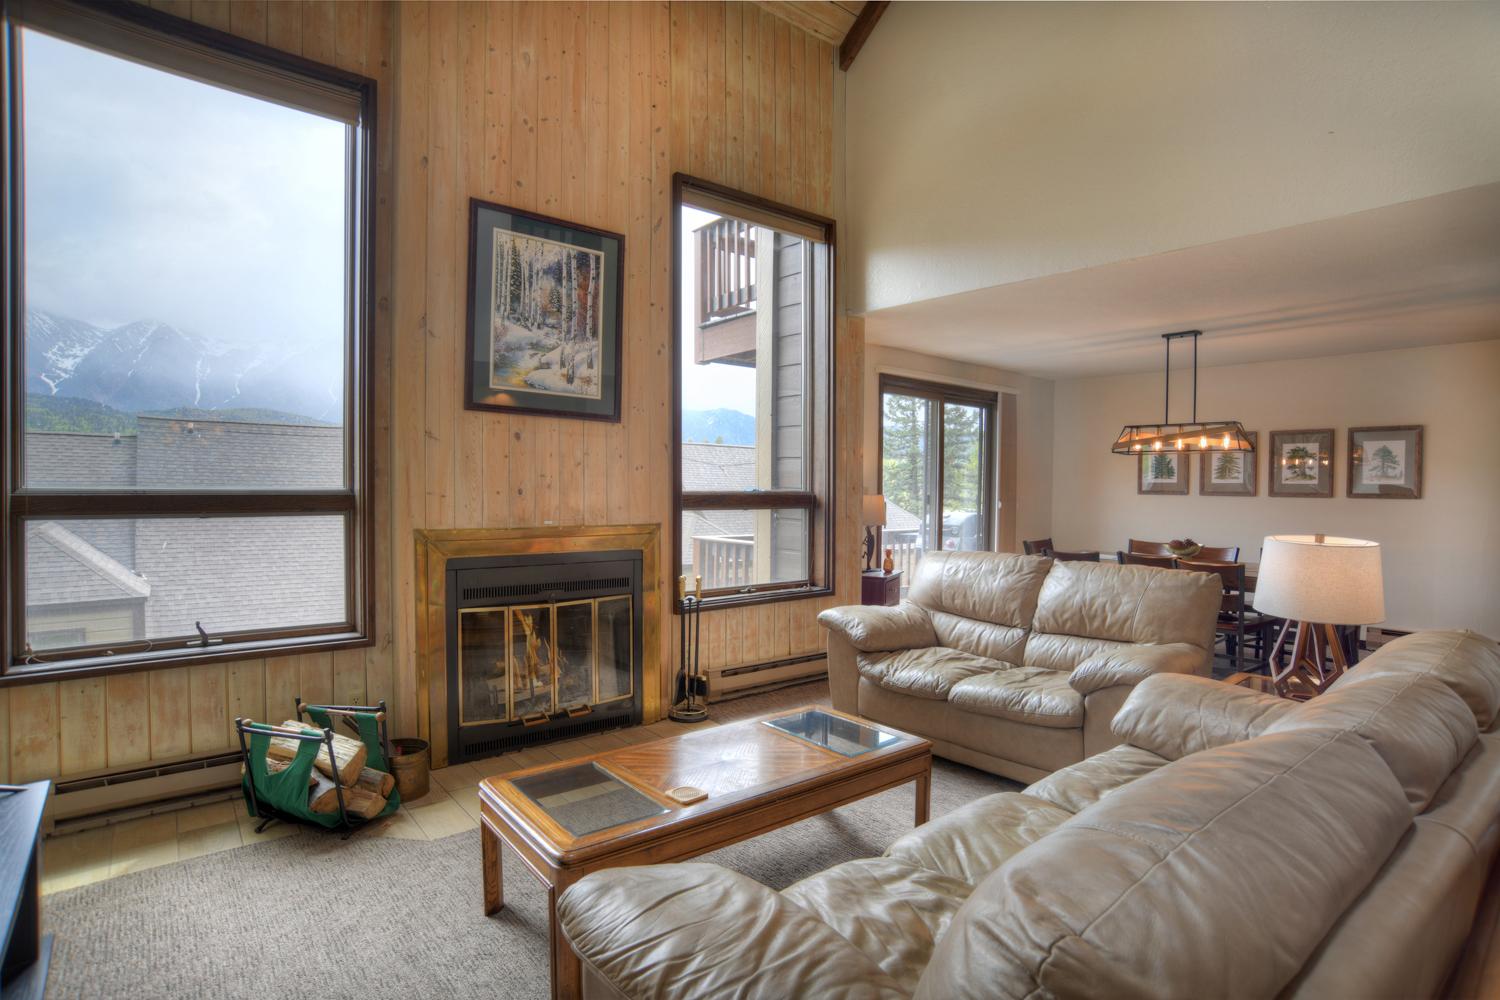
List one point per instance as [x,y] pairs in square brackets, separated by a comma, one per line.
[154,196]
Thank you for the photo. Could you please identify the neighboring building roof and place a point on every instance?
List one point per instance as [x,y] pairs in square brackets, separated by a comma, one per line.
[226,454]
[79,461]
[62,568]
[717,467]
[898,518]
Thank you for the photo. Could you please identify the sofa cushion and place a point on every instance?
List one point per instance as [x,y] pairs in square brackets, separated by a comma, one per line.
[973,840]
[992,587]
[875,629]
[1420,728]
[923,673]
[1064,652]
[1024,694]
[1176,714]
[1077,787]
[1129,665]
[1137,894]
[1128,604]
[1466,661]
[892,910]
[998,642]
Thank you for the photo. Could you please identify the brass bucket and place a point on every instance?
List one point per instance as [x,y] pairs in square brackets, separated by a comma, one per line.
[411,764]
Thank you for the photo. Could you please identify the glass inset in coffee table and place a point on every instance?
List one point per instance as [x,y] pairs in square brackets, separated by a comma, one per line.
[612,809]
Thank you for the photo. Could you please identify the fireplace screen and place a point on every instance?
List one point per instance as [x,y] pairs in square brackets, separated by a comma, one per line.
[526,661]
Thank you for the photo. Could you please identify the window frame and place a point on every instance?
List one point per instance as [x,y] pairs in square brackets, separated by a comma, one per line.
[18,504]
[943,393]
[817,494]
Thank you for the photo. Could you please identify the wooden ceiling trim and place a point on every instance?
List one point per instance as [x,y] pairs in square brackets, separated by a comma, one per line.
[860,32]
[823,19]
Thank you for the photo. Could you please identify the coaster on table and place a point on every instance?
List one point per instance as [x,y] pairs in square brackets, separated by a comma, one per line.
[686,794]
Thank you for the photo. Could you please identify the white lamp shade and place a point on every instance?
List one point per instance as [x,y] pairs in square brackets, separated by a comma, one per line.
[873,509]
[1320,578]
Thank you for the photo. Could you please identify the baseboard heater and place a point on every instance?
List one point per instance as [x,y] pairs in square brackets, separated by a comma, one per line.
[144,786]
[747,679]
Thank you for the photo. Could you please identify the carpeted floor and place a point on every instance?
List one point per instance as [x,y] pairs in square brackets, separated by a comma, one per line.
[314,916]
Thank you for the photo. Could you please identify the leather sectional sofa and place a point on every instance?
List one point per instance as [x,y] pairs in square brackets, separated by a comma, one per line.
[1016,664]
[1235,845]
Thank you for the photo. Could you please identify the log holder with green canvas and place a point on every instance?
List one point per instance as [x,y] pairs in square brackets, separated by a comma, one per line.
[349,785]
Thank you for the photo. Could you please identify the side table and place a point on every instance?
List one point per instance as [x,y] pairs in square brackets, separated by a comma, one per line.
[877,587]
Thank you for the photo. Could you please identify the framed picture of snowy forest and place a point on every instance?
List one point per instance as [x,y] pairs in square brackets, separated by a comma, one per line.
[1228,473]
[1385,462]
[544,315]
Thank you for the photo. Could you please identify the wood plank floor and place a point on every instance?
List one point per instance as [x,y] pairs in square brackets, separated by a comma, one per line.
[74,859]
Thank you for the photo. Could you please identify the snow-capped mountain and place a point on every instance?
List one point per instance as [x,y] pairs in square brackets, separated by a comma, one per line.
[148,365]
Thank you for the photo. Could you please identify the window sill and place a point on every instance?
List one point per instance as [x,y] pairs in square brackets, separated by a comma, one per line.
[95,666]
[764,597]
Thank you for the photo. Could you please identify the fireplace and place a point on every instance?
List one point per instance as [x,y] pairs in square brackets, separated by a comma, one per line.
[541,647]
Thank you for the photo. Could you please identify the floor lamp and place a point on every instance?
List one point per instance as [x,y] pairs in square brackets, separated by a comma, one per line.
[1317,583]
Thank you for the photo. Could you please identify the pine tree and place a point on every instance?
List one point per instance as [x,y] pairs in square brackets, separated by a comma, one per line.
[1227,465]
[1385,462]
[1163,467]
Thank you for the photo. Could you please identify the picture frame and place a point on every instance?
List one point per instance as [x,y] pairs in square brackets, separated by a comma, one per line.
[545,315]
[1162,473]
[1300,463]
[1228,473]
[1385,462]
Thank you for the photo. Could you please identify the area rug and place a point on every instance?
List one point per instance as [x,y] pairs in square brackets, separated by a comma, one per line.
[314,916]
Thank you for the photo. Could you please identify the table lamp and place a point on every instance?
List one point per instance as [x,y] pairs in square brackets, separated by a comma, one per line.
[872,514]
[1317,582]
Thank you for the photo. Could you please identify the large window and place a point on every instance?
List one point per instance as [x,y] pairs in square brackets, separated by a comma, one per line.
[186,282]
[937,449]
[754,354]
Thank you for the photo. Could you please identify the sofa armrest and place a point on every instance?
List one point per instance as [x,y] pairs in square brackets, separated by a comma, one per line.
[1174,715]
[878,629]
[1134,664]
[698,930]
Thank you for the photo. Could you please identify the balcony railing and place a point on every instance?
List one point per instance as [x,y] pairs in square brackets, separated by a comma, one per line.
[724,561]
[726,270]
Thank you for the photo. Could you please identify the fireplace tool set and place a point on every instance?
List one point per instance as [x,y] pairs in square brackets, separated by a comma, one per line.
[686,707]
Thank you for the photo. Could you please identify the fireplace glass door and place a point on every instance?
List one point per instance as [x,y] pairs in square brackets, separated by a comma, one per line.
[524,661]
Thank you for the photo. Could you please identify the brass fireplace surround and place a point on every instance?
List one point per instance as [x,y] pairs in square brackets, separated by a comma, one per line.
[436,546]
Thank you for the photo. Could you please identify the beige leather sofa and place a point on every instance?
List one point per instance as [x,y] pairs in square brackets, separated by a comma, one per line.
[1016,664]
[1235,845]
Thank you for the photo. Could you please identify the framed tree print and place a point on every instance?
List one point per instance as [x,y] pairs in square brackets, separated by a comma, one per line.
[1300,464]
[544,315]
[1162,472]
[1385,462]
[1228,473]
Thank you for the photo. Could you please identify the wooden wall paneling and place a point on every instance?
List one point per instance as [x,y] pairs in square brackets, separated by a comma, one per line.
[658,488]
[245,696]
[825,137]
[525,126]
[444,211]
[171,735]
[81,726]
[643,249]
[591,506]
[766,99]
[499,188]
[5,735]
[469,432]
[618,179]
[785,188]
[314,679]
[247,18]
[211,13]
[733,91]
[208,708]
[319,27]
[127,719]
[283,688]
[573,203]
[349,685]
[284,27]
[34,739]
[713,97]
[408,370]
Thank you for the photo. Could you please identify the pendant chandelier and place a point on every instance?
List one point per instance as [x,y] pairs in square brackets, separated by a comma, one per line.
[1195,435]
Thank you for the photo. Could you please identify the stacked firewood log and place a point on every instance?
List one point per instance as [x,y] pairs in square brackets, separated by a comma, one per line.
[365,790]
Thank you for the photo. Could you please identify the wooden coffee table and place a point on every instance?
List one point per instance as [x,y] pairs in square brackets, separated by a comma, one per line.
[608,810]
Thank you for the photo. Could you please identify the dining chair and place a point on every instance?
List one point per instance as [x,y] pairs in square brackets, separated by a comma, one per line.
[1062,556]
[1040,547]
[1145,559]
[1224,554]
[1235,622]
[1140,547]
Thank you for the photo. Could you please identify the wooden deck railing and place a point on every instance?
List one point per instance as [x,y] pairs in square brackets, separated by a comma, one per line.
[724,561]
[726,270]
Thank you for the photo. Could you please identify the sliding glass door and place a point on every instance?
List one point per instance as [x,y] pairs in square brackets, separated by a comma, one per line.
[937,453]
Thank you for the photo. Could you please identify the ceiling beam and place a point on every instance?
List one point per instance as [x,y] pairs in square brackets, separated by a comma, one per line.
[859,32]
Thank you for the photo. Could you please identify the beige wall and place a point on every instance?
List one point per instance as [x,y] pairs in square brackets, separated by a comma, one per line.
[1033,433]
[1441,553]
[993,142]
